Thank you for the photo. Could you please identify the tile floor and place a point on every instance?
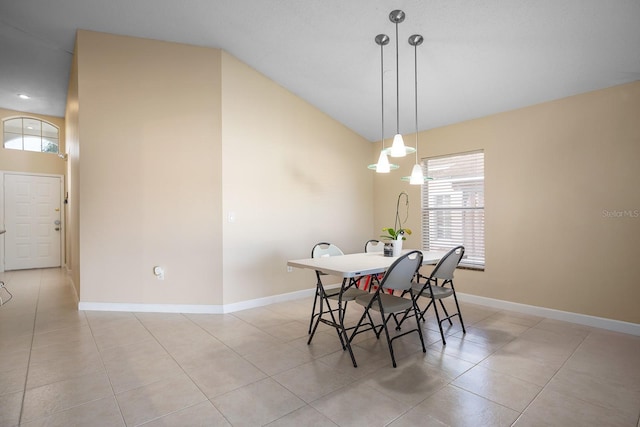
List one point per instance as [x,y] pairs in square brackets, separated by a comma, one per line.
[61,367]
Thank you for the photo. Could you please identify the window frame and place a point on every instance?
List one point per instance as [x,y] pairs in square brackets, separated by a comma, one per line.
[40,137]
[461,221]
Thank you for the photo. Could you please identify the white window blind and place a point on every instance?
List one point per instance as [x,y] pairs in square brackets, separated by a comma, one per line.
[453,205]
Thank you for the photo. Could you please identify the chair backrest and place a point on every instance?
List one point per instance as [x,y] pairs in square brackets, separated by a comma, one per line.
[323,249]
[373,245]
[401,272]
[447,265]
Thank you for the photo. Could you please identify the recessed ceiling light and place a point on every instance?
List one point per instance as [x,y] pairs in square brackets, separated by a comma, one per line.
[23,96]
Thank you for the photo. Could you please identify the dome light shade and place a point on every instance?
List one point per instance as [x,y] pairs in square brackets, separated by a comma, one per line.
[398,149]
[417,178]
[383,165]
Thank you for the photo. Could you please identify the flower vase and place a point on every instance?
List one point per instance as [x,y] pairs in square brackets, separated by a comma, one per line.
[397,247]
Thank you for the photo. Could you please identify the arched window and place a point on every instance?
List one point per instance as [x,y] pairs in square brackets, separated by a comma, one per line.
[29,134]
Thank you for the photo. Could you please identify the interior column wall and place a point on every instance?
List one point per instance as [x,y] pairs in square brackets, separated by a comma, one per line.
[149,178]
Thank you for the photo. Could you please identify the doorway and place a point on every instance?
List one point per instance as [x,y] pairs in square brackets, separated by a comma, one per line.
[33,220]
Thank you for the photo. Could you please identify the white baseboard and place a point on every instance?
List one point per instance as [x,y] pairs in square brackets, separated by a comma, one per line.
[260,302]
[195,308]
[581,319]
[151,308]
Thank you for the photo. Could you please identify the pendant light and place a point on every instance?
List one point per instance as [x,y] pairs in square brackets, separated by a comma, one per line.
[383,165]
[398,149]
[417,176]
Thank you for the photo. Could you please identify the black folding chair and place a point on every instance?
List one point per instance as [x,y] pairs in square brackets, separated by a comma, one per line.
[323,299]
[397,277]
[437,286]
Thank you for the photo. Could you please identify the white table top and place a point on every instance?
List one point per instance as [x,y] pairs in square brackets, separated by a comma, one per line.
[356,265]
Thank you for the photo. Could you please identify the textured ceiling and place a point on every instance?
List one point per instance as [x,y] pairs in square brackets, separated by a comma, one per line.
[478,57]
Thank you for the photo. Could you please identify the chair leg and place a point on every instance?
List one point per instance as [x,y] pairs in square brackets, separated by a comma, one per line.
[312,331]
[355,330]
[399,324]
[423,312]
[313,310]
[386,332]
[455,298]
[343,332]
[419,313]
[377,329]
[435,308]
[374,282]
[330,310]
[415,311]
[372,325]
[446,313]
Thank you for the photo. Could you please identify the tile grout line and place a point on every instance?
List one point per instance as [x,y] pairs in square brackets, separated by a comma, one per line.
[106,372]
[243,357]
[553,376]
[33,333]
[478,364]
[542,388]
[591,331]
[267,376]
[99,354]
[182,368]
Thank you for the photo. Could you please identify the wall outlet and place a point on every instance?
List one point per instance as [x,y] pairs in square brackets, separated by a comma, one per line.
[158,271]
[289,269]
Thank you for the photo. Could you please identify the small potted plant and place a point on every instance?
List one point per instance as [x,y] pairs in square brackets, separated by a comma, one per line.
[394,238]
[395,235]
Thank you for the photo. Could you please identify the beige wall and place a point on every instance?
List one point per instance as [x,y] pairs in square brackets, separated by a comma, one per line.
[551,172]
[174,138]
[171,139]
[149,171]
[293,177]
[32,162]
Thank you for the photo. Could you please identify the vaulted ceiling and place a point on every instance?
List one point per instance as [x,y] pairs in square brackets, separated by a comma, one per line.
[478,57]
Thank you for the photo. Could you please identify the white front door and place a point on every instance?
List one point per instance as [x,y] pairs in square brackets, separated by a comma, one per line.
[32,221]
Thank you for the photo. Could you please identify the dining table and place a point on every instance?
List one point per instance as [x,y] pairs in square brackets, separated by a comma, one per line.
[352,267]
[358,264]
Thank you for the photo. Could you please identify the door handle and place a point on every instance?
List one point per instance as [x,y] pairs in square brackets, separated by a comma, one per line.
[56,222]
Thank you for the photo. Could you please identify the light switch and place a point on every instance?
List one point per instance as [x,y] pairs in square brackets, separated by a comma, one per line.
[231,217]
